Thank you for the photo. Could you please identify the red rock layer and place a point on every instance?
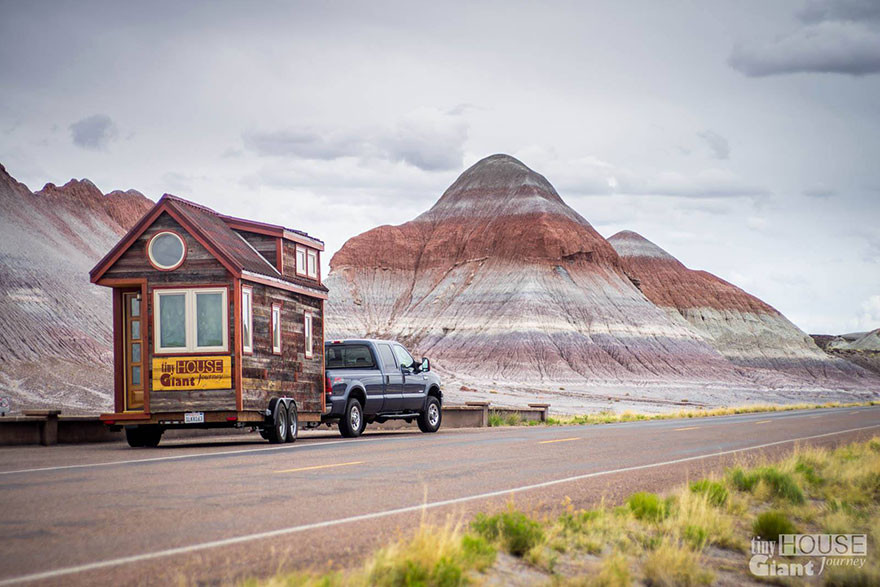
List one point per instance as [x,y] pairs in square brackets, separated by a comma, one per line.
[55,327]
[743,328]
[500,279]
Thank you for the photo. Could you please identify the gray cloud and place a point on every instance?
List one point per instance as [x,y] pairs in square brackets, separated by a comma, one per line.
[718,144]
[427,138]
[94,132]
[816,11]
[839,36]
[819,193]
[826,47]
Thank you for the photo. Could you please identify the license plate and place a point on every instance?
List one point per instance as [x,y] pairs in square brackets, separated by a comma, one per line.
[194,418]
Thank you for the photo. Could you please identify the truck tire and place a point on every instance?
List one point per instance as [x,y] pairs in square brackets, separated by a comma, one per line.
[352,422]
[292,423]
[276,433]
[429,420]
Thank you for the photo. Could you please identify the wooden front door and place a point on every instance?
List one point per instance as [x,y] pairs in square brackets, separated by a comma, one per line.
[134,352]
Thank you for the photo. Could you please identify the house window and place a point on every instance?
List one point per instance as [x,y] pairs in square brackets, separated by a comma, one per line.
[190,320]
[300,260]
[166,251]
[276,329]
[307,262]
[307,331]
[312,263]
[247,319]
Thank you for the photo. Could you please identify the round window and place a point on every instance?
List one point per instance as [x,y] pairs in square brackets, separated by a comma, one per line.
[166,250]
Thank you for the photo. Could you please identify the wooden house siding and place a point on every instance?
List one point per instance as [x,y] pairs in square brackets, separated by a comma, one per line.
[289,254]
[200,268]
[266,375]
[264,244]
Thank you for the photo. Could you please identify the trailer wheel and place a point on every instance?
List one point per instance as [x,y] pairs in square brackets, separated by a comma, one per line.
[429,420]
[152,435]
[277,431]
[292,422]
[352,422]
[143,436]
[134,437]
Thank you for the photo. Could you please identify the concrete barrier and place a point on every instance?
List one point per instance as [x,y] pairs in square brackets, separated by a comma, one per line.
[49,427]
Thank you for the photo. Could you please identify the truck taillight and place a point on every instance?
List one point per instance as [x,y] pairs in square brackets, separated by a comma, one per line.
[329,386]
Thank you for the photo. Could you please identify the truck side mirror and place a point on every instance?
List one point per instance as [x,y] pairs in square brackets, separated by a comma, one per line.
[426,365]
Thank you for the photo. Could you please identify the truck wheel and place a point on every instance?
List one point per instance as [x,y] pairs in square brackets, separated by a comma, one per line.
[292,423]
[429,420]
[352,422]
[277,432]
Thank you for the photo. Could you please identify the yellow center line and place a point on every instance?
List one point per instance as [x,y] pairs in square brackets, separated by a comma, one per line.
[682,429]
[560,440]
[320,467]
[763,421]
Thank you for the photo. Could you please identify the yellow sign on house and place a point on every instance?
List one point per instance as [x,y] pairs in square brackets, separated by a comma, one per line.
[185,373]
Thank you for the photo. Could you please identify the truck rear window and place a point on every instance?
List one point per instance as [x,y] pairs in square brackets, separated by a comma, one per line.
[349,356]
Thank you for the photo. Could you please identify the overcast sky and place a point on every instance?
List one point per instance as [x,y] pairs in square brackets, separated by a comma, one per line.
[742,137]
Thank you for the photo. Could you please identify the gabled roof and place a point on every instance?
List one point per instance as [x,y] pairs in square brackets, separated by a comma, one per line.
[213,231]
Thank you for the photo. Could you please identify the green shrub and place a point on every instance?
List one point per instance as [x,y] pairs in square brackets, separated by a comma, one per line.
[477,551]
[781,484]
[770,525]
[495,419]
[714,491]
[741,480]
[647,506]
[809,473]
[515,531]
[696,536]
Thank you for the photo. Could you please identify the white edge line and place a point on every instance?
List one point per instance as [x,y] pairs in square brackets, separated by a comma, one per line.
[371,516]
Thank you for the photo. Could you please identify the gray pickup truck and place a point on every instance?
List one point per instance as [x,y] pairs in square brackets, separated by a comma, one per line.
[376,381]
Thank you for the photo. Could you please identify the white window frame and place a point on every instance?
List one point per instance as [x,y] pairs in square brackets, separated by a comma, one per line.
[247,344]
[312,263]
[275,332]
[156,263]
[191,321]
[308,335]
[303,256]
[301,260]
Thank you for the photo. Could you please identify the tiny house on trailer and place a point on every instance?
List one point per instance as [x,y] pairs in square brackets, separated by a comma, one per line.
[217,322]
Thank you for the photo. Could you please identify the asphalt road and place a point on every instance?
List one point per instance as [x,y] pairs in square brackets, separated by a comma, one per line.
[215,511]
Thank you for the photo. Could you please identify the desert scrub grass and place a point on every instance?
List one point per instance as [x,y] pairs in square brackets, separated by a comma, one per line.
[647,506]
[608,416]
[594,531]
[672,564]
[769,525]
[713,490]
[498,418]
[514,531]
[694,519]
[615,572]
[435,555]
[770,482]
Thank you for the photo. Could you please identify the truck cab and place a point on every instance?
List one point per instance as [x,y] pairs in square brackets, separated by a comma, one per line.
[379,380]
